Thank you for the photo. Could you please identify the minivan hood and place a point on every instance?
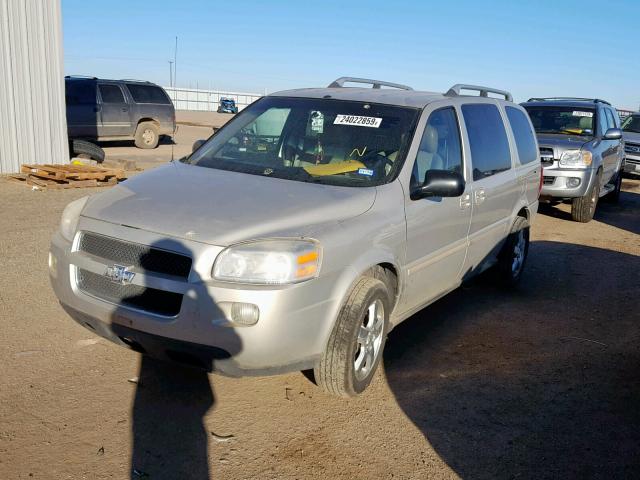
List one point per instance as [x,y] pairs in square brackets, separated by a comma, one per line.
[562,142]
[221,207]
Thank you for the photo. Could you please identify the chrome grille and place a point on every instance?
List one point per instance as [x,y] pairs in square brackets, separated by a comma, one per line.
[135,255]
[633,148]
[546,156]
[632,161]
[151,300]
[547,180]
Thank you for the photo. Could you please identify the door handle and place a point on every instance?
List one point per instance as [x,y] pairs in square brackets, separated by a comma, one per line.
[480,196]
[124,109]
[465,201]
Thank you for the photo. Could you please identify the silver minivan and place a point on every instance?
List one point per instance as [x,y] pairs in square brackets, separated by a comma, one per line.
[302,232]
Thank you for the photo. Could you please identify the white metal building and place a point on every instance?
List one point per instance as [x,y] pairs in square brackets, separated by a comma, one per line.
[207,100]
[33,127]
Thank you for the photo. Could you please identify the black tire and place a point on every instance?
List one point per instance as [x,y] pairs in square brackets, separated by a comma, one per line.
[336,372]
[614,195]
[147,135]
[85,149]
[583,208]
[513,256]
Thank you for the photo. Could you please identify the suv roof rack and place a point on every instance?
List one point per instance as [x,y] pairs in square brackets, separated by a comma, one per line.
[81,76]
[484,91]
[134,80]
[551,99]
[339,83]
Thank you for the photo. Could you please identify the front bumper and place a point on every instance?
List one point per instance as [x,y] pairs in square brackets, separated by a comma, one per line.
[555,181]
[294,324]
[632,163]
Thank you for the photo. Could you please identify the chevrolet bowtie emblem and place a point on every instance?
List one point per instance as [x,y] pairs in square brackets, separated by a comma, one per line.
[119,274]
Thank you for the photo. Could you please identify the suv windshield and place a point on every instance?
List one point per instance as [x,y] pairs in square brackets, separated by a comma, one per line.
[562,120]
[632,124]
[313,140]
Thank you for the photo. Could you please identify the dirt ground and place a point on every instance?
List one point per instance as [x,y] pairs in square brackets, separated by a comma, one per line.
[538,383]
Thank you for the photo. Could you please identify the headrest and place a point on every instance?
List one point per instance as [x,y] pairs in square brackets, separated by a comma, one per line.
[429,140]
[585,123]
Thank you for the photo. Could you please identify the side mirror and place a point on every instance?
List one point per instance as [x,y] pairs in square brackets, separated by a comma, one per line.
[197,144]
[613,134]
[439,183]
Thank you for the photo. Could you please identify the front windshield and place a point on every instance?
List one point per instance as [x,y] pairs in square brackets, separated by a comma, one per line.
[562,120]
[313,140]
[631,124]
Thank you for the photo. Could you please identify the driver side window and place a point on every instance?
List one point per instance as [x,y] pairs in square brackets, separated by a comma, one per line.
[440,147]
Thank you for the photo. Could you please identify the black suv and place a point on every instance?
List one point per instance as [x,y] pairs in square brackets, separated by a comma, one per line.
[99,109]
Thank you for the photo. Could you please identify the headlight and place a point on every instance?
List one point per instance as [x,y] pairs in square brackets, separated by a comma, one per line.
[269,262]
[575,158]
[70,217]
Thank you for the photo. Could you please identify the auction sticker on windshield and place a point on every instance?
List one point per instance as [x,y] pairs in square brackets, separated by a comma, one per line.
[358,121]
[578,113]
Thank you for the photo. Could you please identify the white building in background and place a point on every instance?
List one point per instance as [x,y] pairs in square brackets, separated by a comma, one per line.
[33,126]
[195,99]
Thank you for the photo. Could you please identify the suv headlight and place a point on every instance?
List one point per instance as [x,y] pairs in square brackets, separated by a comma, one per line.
[575,158]
[269,262]
[70,217]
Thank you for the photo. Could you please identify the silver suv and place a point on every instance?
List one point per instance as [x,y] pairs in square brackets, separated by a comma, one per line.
[581,150]
[631,131]
[302,232]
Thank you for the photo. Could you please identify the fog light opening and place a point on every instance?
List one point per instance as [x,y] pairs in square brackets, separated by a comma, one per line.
[573,182]
[244,313]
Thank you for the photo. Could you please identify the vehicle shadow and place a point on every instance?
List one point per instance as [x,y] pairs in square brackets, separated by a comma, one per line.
[173,391]
[164,140]
[626,213]
[623,215]
[542,382]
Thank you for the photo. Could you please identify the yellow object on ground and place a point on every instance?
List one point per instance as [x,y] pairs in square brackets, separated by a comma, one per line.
[326,169]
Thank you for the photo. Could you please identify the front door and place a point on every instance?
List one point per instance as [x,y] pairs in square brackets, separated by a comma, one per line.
[436,227]
[115,116]
[495,189]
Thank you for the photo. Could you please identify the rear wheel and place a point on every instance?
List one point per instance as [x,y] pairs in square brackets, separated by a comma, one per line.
[583,208]
[147,135]
[514,253]
[614,195]
[355,346]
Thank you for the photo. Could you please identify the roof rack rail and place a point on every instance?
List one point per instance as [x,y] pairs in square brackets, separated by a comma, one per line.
[134,80]
[484,91]
[339,83]
[81,76]
[551,99]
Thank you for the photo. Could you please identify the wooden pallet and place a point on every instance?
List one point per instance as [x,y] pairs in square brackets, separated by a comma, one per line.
[56,177]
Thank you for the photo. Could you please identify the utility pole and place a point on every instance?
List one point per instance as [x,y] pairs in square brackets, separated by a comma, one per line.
[171,73]
[175,62]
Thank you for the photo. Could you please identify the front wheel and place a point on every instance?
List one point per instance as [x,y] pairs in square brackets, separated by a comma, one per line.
[583,208]
[355,346]
[147,135]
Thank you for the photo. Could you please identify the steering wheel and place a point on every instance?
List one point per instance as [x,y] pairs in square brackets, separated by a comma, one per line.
[377,162]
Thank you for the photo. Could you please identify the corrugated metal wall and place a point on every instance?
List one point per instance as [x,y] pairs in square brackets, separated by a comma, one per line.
[33,126]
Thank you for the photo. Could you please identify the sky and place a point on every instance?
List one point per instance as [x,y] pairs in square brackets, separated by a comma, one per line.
[531,48]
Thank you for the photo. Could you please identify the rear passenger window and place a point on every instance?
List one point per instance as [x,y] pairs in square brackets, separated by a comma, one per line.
[440,146]
[523,134]
[111,94]
[488,140]
[148,94]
